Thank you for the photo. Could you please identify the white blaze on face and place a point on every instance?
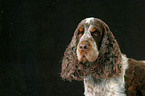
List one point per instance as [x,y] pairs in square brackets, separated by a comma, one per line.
[88,20]
[92,52]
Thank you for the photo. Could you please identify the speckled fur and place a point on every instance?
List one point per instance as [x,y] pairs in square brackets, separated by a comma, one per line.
[111,74]
[107,87]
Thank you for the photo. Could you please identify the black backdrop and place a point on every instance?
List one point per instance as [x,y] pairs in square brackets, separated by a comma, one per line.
[35,33]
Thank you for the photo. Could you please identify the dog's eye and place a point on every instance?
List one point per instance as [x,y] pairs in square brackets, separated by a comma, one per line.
[80,31]
[94,31]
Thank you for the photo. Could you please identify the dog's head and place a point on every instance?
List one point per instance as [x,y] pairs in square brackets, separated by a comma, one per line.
[92,51]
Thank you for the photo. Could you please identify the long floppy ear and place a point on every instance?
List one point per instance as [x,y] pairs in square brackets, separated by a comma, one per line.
[108,63]
[71,68]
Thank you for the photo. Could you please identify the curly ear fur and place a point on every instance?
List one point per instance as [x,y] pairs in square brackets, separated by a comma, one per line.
[71,68]
[108,63]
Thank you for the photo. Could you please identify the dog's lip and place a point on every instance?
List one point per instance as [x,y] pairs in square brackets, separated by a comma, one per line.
[84,59]
[83,53]
[84,56]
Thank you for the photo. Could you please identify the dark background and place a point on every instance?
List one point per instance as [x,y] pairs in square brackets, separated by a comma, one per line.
[35,33]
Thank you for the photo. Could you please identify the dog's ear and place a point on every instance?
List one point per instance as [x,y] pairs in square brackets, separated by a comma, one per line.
[71,68]
[108,63]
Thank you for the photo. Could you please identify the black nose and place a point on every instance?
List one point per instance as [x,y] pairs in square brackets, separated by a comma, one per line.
[83,46]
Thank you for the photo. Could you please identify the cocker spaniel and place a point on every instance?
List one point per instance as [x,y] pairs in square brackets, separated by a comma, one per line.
[95,57]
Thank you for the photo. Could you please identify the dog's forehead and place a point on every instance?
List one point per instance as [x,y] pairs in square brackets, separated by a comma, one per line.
[89,21]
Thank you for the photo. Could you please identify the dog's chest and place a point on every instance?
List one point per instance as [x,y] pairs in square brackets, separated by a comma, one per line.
[103,87]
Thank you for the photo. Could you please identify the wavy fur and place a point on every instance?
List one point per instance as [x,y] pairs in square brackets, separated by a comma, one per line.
[112,73]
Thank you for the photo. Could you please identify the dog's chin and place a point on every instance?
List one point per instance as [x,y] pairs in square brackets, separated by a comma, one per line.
[90,56]
[84,59]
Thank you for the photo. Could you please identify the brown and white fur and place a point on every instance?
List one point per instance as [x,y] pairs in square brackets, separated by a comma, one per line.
[95,57]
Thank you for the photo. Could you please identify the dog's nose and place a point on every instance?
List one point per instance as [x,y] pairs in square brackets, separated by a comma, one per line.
[83,46]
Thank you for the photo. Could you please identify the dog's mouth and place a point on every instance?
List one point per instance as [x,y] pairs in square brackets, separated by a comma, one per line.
[83,59]
[87,57]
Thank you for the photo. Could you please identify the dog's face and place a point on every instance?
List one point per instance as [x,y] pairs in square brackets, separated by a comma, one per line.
[89,35]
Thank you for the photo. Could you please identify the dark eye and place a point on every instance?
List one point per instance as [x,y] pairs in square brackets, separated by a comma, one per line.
[95,32]
[80,31]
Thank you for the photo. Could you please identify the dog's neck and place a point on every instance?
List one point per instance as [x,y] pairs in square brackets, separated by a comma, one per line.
[107,87]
